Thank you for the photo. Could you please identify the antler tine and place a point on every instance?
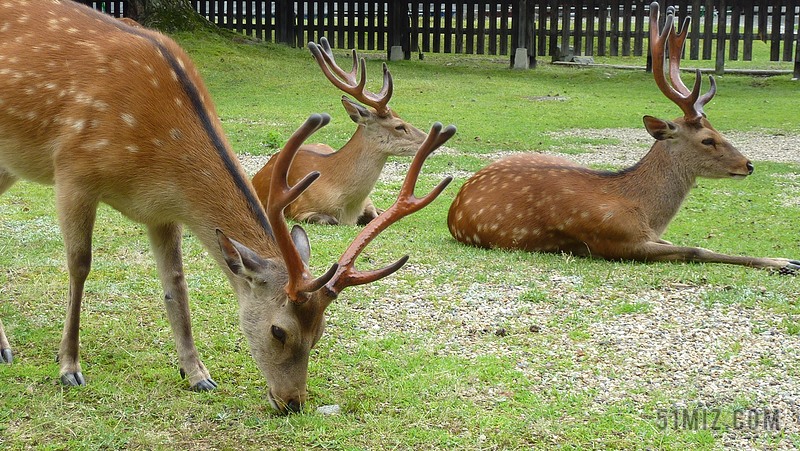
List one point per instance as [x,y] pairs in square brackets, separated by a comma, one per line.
[280,195]
[406,203]
[346,81]
[679,94]
[676,42]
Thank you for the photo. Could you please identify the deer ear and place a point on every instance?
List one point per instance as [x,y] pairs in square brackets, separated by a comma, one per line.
[357,112]
[300,239]
[659,128]
[240,259]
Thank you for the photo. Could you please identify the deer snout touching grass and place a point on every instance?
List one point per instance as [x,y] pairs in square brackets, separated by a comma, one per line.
[548,204]
[347,176]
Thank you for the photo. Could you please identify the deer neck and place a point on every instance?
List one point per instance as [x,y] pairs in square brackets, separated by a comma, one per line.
[660,181]
[233,208]
[363,161]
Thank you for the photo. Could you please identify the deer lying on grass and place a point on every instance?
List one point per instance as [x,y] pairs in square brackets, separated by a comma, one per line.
[118,114]
[340,196]
[549,204]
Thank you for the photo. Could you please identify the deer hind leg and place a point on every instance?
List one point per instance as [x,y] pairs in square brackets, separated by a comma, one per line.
[76,216]
[658,251]
[165,241]
[6,356]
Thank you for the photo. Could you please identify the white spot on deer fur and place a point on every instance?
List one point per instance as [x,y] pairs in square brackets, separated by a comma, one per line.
[173,75]
[154,82]
[72,30]
[128,119]
[149,68]
[608,216]
[96,145]
[476,239]
[78,125]
[584,214]
[179,102]
[100,105]
[132,148]
[176,134]
[158,142]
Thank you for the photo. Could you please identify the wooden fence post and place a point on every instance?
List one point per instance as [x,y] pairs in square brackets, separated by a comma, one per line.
[523,35]
[285,22]
[399,43]
[722,25]
[796,75]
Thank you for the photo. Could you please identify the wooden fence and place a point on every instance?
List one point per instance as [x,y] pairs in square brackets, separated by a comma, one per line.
[722,29]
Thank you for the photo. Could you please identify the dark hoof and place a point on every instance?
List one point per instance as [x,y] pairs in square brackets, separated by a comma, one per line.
[791,268]
[73,379]
[6,356]
[205,385]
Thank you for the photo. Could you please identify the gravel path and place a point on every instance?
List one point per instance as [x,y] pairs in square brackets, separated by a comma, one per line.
[675,345]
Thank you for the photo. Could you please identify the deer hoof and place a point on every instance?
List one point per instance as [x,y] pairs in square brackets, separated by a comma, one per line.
[791,268]
[6,356]
[73,379]
[323,219]
[205,385]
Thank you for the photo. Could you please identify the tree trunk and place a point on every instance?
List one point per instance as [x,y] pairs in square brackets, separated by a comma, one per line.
[167,15]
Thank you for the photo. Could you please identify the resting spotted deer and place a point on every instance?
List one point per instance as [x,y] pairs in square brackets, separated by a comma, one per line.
[549,204]
[111,113]
[340,196]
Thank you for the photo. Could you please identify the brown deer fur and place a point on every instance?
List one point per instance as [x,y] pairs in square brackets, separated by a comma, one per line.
[111,113]
[341,194]
[550,204]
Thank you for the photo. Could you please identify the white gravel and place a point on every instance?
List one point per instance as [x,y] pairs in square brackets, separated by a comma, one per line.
[674,345]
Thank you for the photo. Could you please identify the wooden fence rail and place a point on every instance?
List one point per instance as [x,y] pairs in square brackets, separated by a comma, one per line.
[559,29]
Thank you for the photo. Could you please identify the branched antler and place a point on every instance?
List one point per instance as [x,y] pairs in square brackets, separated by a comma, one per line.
[690,102]
[407,203]
[280,195]
[346,81]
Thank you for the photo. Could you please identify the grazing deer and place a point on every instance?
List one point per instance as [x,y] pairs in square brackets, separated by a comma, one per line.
[340,196]
[549,204]
[118,114]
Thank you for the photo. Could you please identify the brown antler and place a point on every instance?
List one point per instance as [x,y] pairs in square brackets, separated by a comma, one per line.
[690,102]
[407,203]
[280,195]
[324,56]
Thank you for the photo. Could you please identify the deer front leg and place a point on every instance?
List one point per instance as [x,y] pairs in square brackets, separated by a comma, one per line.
[76,215]
[368,213]
[5,347]
[165,241]
[6,356]
[656,251]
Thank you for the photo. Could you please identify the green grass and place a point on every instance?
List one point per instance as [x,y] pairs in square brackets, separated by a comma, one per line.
[406,389]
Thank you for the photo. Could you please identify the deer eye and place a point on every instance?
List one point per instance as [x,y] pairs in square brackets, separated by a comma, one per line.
[708,142]
[400,128]
[279,334]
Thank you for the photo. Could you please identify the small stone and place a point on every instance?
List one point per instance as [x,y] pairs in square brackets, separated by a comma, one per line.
[535,328]
[333,409]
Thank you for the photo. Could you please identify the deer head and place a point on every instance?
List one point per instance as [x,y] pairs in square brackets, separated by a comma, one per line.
[283,317]
[702,146]
[379,124]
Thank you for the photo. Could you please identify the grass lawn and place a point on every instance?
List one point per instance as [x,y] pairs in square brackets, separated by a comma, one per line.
[461,349]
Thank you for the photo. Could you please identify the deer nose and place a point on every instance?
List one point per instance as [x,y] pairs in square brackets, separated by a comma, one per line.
[293,406]
[750,167]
